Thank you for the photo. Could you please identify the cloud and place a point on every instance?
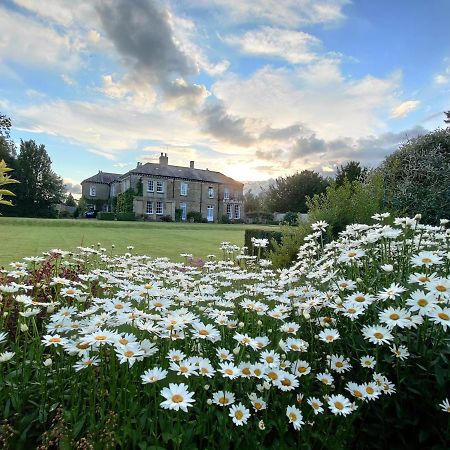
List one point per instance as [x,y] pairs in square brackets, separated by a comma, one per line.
[293,46]
[404,108]
[317,95]
[288,13]
[68,80]
[27,42]
[444,77]
[72,186]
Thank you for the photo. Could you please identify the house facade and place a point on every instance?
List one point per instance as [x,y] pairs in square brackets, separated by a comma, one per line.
[161,189]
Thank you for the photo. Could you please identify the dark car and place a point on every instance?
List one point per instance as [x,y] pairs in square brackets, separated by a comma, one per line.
[91,214]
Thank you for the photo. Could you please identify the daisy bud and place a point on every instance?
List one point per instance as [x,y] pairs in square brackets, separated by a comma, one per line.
[113,246]
[269,330]
[23,327]
[259,322]
[260,387]
[338,301]
[444,221]
[241,325]
[206,387]
[387,267]
[50,309]
[48,362]
[306,315]
[5,314]
[236,350]
[266,385]
[418,216]
[359,280]
[209,401]
[261,425]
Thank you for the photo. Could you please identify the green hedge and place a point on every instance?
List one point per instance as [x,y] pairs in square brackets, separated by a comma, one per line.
[123,216]
[262,234]
[103,215]
[194,216]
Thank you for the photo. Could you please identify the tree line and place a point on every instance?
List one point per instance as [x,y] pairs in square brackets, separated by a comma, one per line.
[39,188]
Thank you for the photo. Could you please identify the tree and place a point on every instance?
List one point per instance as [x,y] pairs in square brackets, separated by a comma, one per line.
[447,119]
[7,147]
[70,201]
[417,177]
[252,202]
[352,171]
[40,187]
[289,193]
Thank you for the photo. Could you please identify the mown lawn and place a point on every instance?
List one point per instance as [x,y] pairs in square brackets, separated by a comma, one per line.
[21,237]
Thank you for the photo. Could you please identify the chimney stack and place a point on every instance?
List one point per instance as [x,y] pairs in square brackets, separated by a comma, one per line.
[163,159]
[191,164]
[139,164]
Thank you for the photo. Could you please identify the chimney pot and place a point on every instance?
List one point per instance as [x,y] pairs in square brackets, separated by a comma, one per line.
[191,164]
[163,159]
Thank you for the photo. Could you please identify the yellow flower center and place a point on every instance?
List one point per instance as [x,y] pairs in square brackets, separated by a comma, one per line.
[351,254]
[177,398]
[378,335]
[351,310]
[441,288]
[123,341]
[360,298]
[315,405]
[184,369]
[339,364]
[157,305]
[339,405]
[100,337]
[423,279]
[258,406]
[286,382]
[70,292]
[118,306]
[129,353]
[272,375]
[239,415]
[422,302]
[148,286]
[228,371]
[394,316]
[203,332]
[82,346]
[369,390]
[426,260]
[292,417]
[269,359]
[443,316]
[223,400]
[55,340]
[257,372]
[357,393]
[302,369]
[246,371]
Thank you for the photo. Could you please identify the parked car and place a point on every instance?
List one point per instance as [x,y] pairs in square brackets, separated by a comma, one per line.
[91,214]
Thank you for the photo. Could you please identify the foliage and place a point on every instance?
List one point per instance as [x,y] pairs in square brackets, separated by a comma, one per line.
[70,201]
[194,216]
[139,187]
[126,216]
[125,201]
[5,179]
[291,218]
[166,218]
[103,215]
[252,202]
[255,233]
[447,117]
[7,146]
[225,219]
[290,193]
[178,215]
[40,188]
[337,352]
[352,171]
[260,217]
[417,176]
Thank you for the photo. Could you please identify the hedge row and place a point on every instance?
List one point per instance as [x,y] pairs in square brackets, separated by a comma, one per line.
[262,234]
[122,216]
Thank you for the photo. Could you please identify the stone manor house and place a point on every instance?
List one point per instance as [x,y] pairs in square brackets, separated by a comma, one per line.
[166,188]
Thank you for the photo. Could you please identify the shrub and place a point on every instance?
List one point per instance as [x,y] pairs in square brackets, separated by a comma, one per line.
[271,236]
[126,216]
[261,217]
[290,218]
[225,219]
[194,216]
[166,218]
[178,215]
[103,215]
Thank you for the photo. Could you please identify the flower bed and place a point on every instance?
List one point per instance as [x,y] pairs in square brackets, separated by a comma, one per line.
[126,351]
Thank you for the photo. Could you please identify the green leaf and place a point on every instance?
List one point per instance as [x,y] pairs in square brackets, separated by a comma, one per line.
[6,192]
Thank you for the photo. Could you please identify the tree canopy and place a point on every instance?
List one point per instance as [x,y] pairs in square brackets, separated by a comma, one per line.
[289,193]
[351,171]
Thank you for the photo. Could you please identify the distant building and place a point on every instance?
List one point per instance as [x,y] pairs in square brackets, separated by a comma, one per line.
[166,188]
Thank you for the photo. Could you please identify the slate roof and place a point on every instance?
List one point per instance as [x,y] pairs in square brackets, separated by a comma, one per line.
[181,172]
[103,178]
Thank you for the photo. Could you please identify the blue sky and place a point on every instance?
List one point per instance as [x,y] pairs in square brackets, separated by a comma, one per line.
[253,88]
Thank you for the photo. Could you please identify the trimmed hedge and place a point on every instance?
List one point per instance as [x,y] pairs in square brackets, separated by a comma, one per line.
[103,215]
[262,234]
[126,216]
[194,216]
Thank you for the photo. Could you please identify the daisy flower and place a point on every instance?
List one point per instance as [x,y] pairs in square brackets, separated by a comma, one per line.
[339,363]
[325,378]
[425,259]
[315,404]
[175,355]
[441,316]
[339,405]
[85,362]
[286,381]
[295,417]
[421,302]
[177,397]
[223,398]
[329,335]
[445,405]
[377,334]
[300,368]
[3,337]
[185,368]
[357,390]
[153,375]
[239,413]
[393,317]
[6,356]
[53,340]
[229,370]
[400,352]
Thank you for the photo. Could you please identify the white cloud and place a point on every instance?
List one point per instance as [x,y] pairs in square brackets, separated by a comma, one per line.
[68,80]
[293,46]
[288,13]
[318,96]
[444,76]
[27,42]
[403,109]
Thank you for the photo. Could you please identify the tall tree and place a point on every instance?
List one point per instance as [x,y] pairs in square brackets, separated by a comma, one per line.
[447,119]
[40,187]
[289,193]
[252,202]
[351,171]
[70,201]
[7,147]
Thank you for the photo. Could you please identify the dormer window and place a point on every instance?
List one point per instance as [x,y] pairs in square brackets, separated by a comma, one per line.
[92,191]
[210,192]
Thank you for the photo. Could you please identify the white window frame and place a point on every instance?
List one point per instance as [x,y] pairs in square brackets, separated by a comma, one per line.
[229,211]
[150,209]
[92,191]
[210,192]
[184,189]
[210,217]
[237,211]
[160,187]
[183,207]
[150,186]
[226,194]
[160,208]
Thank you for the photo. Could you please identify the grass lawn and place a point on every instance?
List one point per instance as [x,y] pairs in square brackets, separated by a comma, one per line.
[28,237]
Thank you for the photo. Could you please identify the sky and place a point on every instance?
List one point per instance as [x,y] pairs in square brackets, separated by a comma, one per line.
[255,89]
